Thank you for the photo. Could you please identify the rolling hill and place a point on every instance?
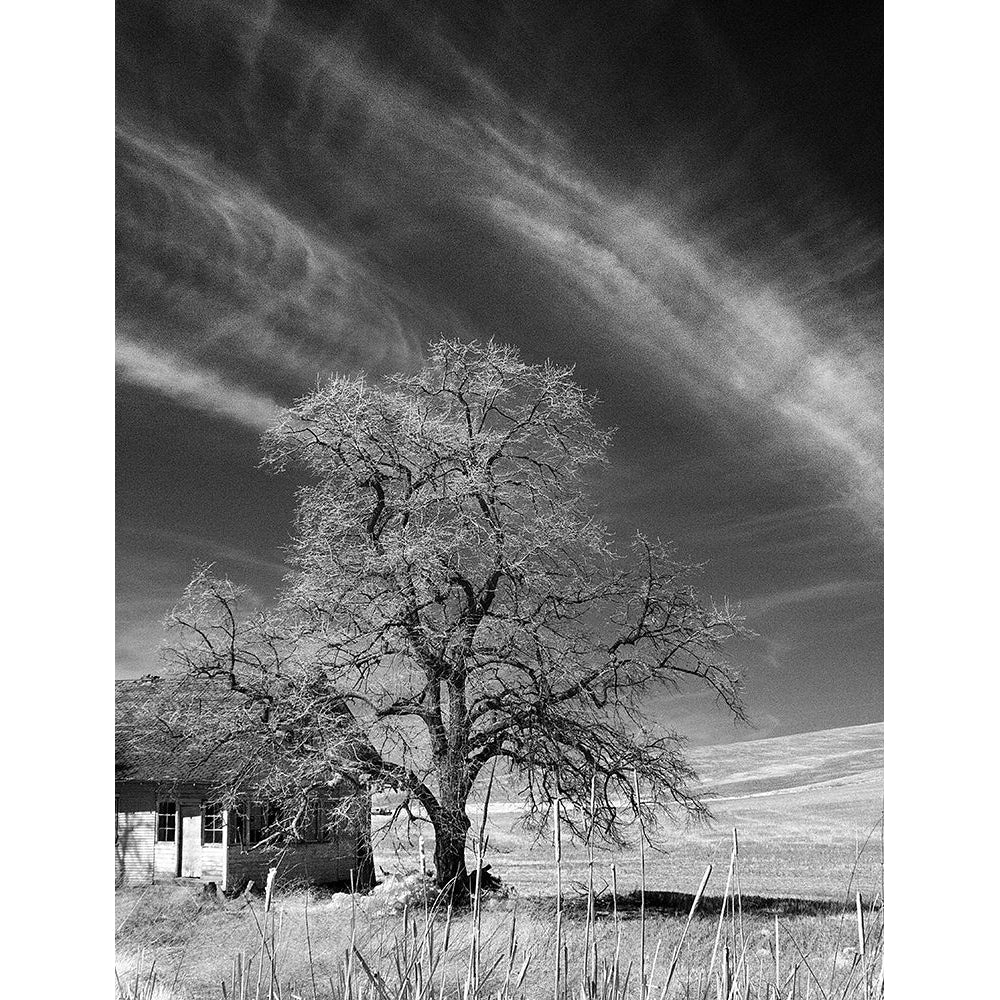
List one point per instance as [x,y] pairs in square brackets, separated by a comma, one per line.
[835,757]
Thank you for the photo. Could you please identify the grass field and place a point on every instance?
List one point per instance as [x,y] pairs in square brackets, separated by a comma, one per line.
[804,807]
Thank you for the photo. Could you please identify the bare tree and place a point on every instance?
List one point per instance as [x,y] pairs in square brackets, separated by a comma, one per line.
[450,584]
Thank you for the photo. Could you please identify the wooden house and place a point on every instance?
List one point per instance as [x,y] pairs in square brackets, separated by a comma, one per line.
[169,824]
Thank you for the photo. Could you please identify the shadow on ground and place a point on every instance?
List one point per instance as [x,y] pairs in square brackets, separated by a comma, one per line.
[679,904]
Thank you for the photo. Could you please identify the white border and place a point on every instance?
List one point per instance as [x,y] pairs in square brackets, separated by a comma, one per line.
[941,510]
[57,76]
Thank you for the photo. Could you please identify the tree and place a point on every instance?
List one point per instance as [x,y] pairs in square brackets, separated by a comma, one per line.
[450,583]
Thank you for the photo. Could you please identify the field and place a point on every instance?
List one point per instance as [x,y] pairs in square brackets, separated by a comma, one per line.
[808,811]
[804,807]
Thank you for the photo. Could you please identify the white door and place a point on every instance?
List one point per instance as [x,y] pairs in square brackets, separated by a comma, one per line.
[191,840]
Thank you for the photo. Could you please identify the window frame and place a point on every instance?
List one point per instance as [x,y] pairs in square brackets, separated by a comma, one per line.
[213,809]
[316,829]
[169,820]
[241,825]
[251,822]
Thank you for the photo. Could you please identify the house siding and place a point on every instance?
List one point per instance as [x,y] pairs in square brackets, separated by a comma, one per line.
[165,860]
[213,864]
[332,861]
[135,830]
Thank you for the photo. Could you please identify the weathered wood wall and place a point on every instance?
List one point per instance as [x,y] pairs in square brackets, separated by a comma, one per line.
[135,833]
[332,861]
[165,860]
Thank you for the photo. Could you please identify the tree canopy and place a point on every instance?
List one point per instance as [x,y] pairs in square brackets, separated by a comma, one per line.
[450,583]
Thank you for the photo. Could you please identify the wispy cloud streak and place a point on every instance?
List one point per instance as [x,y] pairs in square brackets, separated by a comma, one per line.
[288,225]
[814,592]
[192,385]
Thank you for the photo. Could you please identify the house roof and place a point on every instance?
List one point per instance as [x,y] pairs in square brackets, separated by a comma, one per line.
[192,731]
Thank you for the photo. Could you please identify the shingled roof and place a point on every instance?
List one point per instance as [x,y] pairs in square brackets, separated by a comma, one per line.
[154,720]
[183,730]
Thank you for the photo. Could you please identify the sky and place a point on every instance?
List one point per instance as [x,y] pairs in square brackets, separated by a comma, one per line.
[683,200]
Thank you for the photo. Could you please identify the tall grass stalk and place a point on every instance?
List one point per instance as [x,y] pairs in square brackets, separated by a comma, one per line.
[680,943]
[590,980]
[642,888]
[861,944]
[557,849]
[739,898]
[722,921]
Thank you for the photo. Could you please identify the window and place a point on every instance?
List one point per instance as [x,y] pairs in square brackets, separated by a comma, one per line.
[251,823]
[246,824]
[212,824]
[313,826]
[270,819]
[245,819]
[259,826]
[238,822]
[166,822]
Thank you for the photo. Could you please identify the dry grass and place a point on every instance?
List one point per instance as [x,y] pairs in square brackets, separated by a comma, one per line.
[746,937]
[346,950]
[175,942]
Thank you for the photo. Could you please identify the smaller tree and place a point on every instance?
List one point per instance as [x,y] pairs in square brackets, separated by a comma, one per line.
[450,583]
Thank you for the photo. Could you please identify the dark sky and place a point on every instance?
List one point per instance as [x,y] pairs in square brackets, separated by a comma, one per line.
[684,200]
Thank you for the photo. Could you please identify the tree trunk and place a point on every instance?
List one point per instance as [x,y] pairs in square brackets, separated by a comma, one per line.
[451,823]
[451,827]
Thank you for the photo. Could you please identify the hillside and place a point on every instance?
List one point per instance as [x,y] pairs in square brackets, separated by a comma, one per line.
[851,755]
